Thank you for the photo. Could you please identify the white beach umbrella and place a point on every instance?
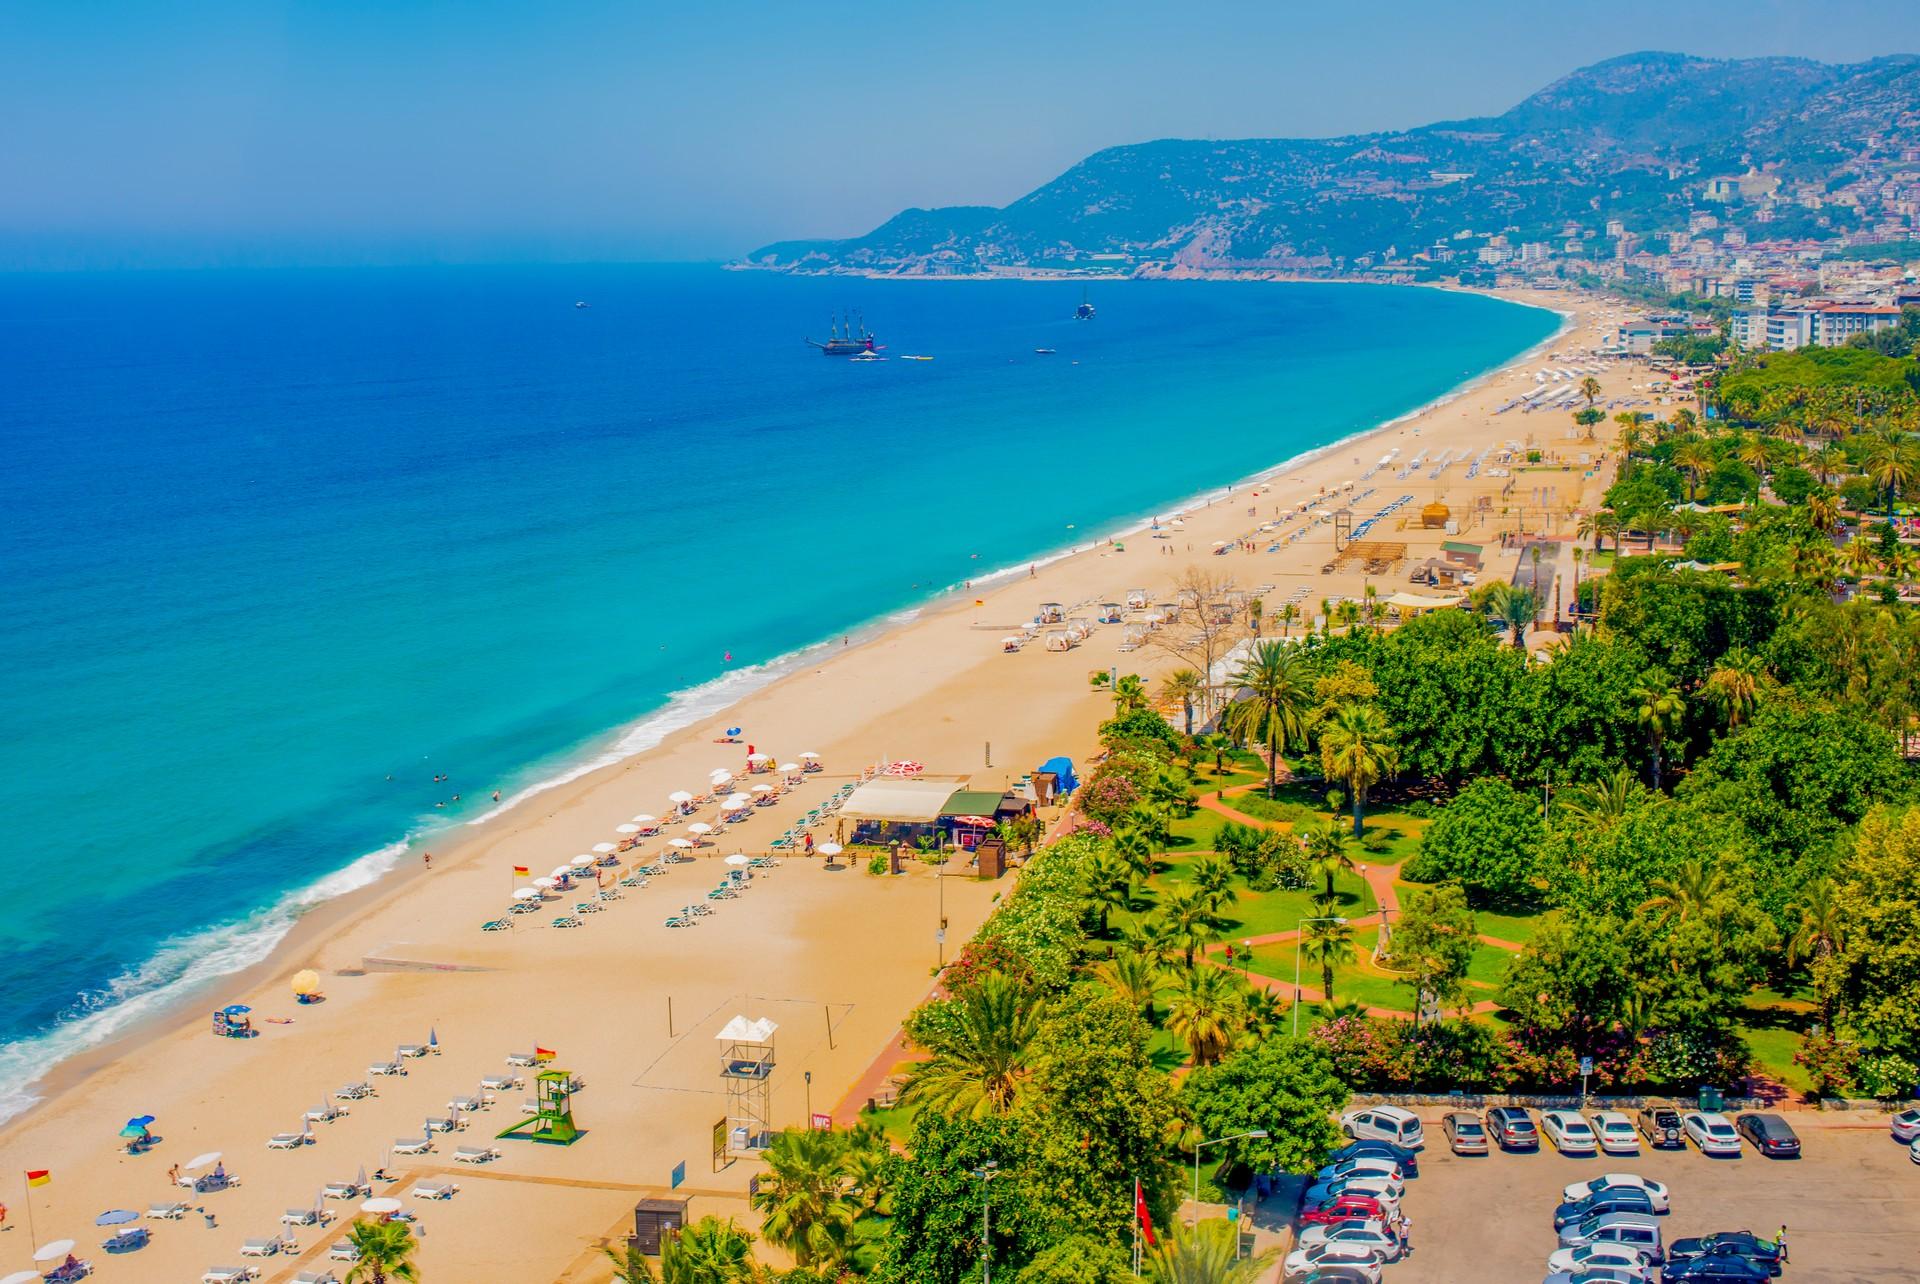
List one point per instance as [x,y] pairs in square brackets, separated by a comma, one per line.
[581,862]
[626,829]
[808,756]
[738,858]
[759,757]
[561,871]
[763,789]
[604,848]
[719,775]
[679,796]
[382,1207]
[644,819]
[21,1277]
[735,802]
[789,766]
[203,1161]
[544,884]
[829,849]
[527,894]
[53,1251]
[681,843]
[699,827]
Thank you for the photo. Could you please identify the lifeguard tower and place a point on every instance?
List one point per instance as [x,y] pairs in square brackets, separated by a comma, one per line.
[552,1119]
[746,1072]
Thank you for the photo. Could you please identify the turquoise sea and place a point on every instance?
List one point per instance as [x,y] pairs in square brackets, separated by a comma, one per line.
[280,548]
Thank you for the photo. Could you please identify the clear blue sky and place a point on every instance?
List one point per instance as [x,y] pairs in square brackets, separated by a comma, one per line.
[338,131]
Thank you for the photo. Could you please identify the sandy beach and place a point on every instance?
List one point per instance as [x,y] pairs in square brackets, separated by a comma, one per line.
[837,957]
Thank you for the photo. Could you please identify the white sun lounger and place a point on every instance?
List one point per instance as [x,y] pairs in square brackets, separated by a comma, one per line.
[354,1091]
[286,1141]
[167,1209]
[412,1145]
[520,1059]
[262,1247]
[316,1277]
[343,1251]
[345,1190]
[386,1067]
[306,1217]
[475,1154]
[467,1105]
[326,1112]
[435,1190]
[501,1082]
[229,1275]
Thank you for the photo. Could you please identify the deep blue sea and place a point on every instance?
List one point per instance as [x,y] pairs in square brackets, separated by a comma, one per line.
[281,547]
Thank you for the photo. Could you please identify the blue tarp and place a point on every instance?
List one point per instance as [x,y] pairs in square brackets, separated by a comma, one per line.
[1062,769]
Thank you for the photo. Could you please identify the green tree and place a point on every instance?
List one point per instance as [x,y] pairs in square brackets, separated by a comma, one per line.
[385,1252]
[1658,707]
[630,1265]
[1329,850]
[1487,839]
[1207,1254]
[1874,974]
[1600,804]
[1110,883]
[983,1053]
[1187,687]
[1279,694]
[1736,684]
[1358,748]
[710,1251]
[1189,916]
[1079,1259]
[1204,1012]
[1433,944]
[935,1234]
[1327,942]
[1133,978]
[804,1196]
[1515,607]
[1282,1086]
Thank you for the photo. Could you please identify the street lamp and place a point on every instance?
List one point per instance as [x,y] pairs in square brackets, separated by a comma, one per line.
[1299,936]
[809,1078]
[986,1173]
[1257,1132]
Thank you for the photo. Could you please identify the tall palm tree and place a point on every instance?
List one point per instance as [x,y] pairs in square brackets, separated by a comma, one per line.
[1151,940]
[1693,458]
[1189,916]
[1601,804]
[1892,464]
[1590,389]
[1755,452]
[1819,934]
[1204,1012]
[1186,686]
[1861,556]
[1812,564]
[1213,875]
[1207,1254]
[1823,513]
[1329,850]
[1691,894]
[1327,943]
[630,1265]
[1513,606]
[1110,884]
[710,1251]
[1129,695]
[802,1196]
[1217,747]
[1134,978]
[1287,615]
[1357,748]
[1658,706]
[1134,845]
[982,1056]
[385,1252]
[1599,526]
[1279,695]
[1735,685]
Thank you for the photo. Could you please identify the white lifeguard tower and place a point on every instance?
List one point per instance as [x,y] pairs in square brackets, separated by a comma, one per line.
[746,1073]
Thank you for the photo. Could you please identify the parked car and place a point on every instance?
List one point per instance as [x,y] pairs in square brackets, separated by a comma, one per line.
[1600,1275]
[1308,1258]
[1327,1192]
[1600,1257]
[1616,1133]
[1365,1165]
[1345,1208]
[1661,1126]
[1913,1151]
[1723,1268]
[1770,1135]
[1632,1230]
[1711,1133]
[1568,1132]
[1614,1199]
[1465,1133]
[1409,1160]
[1338,1275]
[1384,1123]
[1376,1235]
[1906,1125]
[1511,1128]
[1656,1191]
[1728,1244]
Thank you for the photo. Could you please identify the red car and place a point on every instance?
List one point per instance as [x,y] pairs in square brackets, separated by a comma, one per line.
[1345,1208]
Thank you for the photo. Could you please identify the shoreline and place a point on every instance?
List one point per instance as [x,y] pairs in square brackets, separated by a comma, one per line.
[328,915]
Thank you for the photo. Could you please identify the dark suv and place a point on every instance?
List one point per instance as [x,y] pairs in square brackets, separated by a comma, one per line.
[1770,1135]
[1660,1125]
[1512,1128]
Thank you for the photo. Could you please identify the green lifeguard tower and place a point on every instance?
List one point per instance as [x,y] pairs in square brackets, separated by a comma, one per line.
[552,1119]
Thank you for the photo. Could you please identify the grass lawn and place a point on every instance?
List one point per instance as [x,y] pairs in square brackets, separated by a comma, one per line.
[1198,832]
[1773,1049]
[1359,981]
[1261,913]
[1517,928]
[896,1121]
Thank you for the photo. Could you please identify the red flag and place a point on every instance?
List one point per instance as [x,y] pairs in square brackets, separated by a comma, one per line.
[1140,1211]
[543,1054]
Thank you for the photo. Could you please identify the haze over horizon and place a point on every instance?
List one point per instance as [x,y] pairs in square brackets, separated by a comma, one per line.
[282,133]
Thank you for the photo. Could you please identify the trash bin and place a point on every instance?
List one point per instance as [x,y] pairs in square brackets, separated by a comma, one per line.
[1710,1099]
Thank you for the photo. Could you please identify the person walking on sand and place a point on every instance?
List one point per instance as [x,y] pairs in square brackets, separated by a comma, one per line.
[428,858]
[1781,1241]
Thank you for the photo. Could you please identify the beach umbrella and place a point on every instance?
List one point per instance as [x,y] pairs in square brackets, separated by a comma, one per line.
[134,1130]
[545,884]
[738,858]
[829,849]
[808,756]
[561,871]
[759,757]
[21,1277]
[626,829]
[433,1037]
[699,827]
[581,862]
[643,819]
[382,1207]
[733,731]
[604,848]
[53,1251]
[203,1161]
[116,1217]
[735,802]
[720,775]
[763,789]
[681,843]
[527,894]
[904,767]
[789,766]
[237,1009]
[680,796]
[306,981]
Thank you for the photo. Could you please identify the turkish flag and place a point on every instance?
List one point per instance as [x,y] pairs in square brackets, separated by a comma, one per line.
[1140,1211]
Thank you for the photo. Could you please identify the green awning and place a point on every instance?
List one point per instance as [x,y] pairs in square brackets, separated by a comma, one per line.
[972,802]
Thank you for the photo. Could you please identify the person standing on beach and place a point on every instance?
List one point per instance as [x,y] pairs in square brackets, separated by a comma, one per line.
[428,858]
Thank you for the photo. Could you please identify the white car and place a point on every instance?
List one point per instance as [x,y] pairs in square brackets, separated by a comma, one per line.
[1656,1192]
[1363,1261]
[1367,1234]
[1616,1132]
[1601,1257]
[1913,1151]
[1384,1123]
[1568,1132]
[1906,1125]
[1711,1132]
[1360,1166]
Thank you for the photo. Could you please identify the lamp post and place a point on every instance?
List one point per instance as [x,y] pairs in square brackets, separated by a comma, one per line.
[1299,936]
[1257,1132]
[986,1173]
[808,1076]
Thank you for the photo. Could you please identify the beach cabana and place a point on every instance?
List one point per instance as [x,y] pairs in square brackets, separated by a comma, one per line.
[1080,627]
[898,807]
[1109,613]
[1408,605]
[1011,643]
[1059,640]
[1137,599]
[1052,613]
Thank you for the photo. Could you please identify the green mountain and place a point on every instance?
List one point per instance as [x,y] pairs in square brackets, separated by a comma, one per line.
[1634,138]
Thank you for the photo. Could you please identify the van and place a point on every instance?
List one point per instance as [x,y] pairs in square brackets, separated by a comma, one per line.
[1637,1231]
[1384,1123]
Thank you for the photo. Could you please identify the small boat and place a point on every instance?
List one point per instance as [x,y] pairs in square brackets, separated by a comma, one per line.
[914,358]
[581,303]
[1044,352]
[1085,311]
[868,355]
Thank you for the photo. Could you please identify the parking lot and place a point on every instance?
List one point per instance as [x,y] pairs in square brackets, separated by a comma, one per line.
[1851,1204]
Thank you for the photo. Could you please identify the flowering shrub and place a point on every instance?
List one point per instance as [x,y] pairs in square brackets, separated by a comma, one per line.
[1110,796]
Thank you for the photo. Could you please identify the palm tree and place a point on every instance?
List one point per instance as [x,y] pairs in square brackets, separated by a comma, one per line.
[1213,875]
[630,1265]
[1735,685]
[710,1251]
[1186,686]
[1691,894]
[1823,513]
[1861,556]
[1891,464]
[1204,1012]
[1207,1254]
[1602,804]
[1110,884]
[385,1252]
[1279,694]
[1812,563]
[980,1059]
[1133,977]
[1260,1012]
[1590,389]
[1357,748]
[1328,850]
[1217,747]
[1693,458]
[1514,606]
[1658,708]
[1188,914]
[1287,615]
[1599,525]
[1755,452]
[1150,940]
[1326,943]
[1134,846]
[802,1196]
[1818,935]
[1129,695]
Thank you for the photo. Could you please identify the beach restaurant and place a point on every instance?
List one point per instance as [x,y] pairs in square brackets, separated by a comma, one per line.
[892,809]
